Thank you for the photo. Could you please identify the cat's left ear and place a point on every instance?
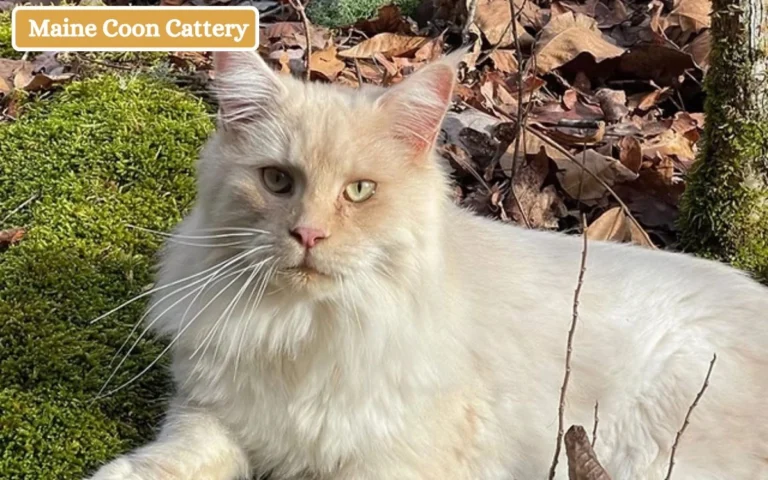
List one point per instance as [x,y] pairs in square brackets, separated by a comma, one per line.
[245,86]
[417,105]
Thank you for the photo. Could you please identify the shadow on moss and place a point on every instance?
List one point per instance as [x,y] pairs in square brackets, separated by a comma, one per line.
[101,154]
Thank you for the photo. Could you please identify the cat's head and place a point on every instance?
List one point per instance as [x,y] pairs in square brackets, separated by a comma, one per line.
[343,181]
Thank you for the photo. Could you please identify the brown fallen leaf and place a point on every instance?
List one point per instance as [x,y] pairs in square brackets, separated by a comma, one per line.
[630,153]
[660,63]
[645,101]
[542,206]
[569,35]
[582,461]
[690,15]
[493,19]
[613,103]
[699,50]
[614,225]
[41,73]
[389,44]
[11,237]
[669,143]
[388,19]
[326,63]
[504,60]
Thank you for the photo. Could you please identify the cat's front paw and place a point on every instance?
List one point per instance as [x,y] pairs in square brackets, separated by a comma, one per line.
[120,469]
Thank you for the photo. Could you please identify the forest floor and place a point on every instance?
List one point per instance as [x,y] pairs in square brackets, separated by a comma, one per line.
[609,92]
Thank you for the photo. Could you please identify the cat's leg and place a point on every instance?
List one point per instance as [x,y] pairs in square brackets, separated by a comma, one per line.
[192,445]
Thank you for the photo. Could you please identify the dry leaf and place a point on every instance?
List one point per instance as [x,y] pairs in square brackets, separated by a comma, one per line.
[388,20]
[389,44]
[699,50]
[669,143]
[504,60]
[11,237]
[326,63]
[493,19]
[690,15]
[567,36]
[542,206]
[582,461]
[611,226]
[630,153]
[613,103]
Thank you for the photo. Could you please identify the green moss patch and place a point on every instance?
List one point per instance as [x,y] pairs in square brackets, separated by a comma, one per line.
[337,13]
[99,155]
[6,48]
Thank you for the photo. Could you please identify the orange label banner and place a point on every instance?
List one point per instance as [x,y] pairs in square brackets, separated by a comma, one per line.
[102,29]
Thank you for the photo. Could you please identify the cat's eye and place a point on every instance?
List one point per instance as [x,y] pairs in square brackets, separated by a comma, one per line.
[277,181]
[360,191]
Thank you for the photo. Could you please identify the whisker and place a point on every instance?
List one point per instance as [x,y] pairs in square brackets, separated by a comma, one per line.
[157,289]
[149,327]
[173,342]
[237,232]
[226,312]
[259,296]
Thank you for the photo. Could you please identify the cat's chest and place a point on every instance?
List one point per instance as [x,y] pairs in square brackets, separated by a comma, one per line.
[311,411]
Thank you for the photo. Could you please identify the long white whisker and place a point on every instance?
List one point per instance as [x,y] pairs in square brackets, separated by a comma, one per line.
[149,327]
[173,342]
[259,296]
[227,312]
[238,232]
[157,289]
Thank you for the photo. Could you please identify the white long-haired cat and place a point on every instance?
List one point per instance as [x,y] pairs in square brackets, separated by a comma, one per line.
[352,323]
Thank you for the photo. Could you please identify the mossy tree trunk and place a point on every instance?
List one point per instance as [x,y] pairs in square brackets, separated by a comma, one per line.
[724,214]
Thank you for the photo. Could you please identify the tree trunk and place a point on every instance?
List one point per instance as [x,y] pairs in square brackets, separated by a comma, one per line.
[724,213]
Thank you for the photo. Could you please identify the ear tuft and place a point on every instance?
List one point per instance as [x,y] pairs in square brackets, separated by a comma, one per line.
[418,104]
[246,87]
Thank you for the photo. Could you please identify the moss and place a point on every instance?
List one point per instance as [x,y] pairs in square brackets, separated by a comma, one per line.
[724,213]
[102,153]
[337,13]
[6,48]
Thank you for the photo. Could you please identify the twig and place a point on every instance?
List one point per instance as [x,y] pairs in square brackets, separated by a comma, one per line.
[594,425]
[688,416]
[102,63]
[23,204]
[359,74]
[299,7]
[568,351]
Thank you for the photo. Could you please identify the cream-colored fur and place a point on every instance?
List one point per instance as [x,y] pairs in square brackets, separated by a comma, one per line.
[431,343]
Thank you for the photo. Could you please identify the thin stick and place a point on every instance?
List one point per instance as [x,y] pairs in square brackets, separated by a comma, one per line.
[299,7]
[359,74]
[569,349]
[23,204]
[594,425]
[688,416]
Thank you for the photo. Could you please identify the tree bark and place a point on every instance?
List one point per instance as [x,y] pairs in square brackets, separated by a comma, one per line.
[724,213]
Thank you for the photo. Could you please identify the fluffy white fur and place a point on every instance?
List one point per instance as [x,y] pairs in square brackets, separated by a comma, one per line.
[425,342]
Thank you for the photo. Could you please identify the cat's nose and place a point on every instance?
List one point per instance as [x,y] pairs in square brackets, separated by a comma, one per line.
[308,236]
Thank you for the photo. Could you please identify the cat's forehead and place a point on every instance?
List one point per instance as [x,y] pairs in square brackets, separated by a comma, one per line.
[333,129]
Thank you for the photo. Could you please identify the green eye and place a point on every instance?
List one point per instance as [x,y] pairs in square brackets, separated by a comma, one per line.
[360,191]
[277,181]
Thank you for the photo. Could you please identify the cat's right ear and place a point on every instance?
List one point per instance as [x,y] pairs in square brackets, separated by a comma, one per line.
[245,86]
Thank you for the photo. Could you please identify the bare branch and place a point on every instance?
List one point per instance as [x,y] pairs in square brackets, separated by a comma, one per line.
[594,425]
[569,350]
[688,416]
[299,7]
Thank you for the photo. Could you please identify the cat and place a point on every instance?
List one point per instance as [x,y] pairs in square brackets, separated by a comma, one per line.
[333,315]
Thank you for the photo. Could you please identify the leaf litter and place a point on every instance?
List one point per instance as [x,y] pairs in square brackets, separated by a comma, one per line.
[609,93]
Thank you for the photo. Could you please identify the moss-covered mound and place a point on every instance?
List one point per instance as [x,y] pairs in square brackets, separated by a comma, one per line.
[99,155]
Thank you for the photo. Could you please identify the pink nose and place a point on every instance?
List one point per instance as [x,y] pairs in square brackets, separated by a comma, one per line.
[308,236]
